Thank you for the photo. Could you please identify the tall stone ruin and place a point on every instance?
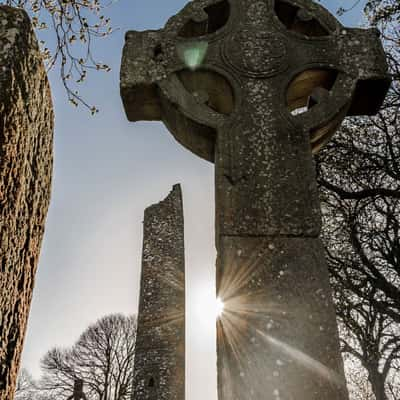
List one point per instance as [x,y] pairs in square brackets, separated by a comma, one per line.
[159,369]
[26,141]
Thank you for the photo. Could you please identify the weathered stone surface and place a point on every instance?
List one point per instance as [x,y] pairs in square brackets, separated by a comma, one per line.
[256,87]
[26,134]
[277,338]
[255,71]
[159,369]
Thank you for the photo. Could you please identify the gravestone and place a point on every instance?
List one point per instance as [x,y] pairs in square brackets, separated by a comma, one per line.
[256,87]
[78,391]
[26,141]
[159,368]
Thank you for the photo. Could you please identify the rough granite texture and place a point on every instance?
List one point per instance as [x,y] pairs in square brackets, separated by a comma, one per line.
[257,87]
[159,369]
[26,140]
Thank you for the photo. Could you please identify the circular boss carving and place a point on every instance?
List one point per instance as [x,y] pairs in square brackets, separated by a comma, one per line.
[256,53]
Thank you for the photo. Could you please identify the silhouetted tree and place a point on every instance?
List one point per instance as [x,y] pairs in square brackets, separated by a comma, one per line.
[359,178]
[73,25]
[377,10]
[383,11]
[26,388]
[371,340]
[102,357]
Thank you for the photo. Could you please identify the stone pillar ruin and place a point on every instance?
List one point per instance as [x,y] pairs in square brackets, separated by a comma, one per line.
[26,142]
[159,368]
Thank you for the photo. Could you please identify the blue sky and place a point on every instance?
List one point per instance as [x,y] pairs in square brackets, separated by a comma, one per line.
[107,171]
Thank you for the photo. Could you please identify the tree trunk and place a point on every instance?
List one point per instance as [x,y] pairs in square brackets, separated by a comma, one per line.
[378,385]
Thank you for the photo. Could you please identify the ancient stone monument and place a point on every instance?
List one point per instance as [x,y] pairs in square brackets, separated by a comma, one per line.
[26,134]
[159,369]
[257,86]
[78,391]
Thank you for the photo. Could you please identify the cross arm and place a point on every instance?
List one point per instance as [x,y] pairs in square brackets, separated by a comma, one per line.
[139,74]
[363,56]
[350,68]
[156,86]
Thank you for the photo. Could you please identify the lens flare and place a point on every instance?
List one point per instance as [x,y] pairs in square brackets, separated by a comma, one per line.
[260,338]
[192,53]
[305,360]
[219,307]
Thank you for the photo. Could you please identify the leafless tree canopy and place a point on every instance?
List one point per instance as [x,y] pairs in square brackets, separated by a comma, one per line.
[377,10]
[26,388]
[102,358]
[359,178]
[72,26]
[383,11]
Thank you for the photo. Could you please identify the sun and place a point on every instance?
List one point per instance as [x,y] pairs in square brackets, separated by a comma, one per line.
[219,307]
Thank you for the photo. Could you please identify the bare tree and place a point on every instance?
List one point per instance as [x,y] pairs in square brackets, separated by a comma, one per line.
[383,11]
[357,379]
[371,339]
[377,10]
[359,178]
[102,357]
[359,245]
[26,388]
[74,25]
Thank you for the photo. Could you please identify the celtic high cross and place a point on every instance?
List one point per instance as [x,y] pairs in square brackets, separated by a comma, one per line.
[256,87]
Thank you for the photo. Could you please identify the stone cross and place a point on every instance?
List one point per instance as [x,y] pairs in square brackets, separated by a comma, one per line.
[256,87]
[78,391]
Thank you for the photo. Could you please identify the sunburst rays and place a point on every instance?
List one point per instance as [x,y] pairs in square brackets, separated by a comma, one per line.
[219,307]
[250,354]
[303,359]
